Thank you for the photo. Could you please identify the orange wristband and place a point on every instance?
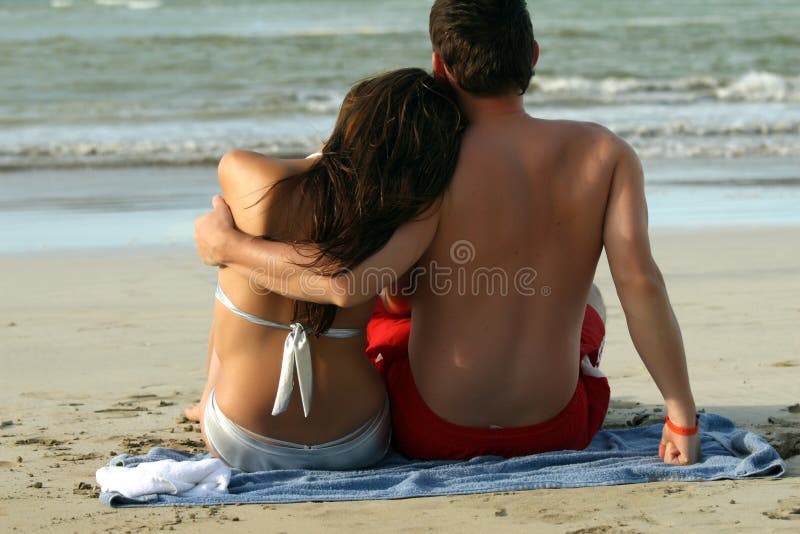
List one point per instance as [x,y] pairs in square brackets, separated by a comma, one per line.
[683,431]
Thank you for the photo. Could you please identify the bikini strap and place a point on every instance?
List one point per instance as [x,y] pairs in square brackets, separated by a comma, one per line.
[223,298]
[296,355]
[333,333]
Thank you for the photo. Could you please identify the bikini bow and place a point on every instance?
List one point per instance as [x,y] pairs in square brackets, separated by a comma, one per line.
[296,355]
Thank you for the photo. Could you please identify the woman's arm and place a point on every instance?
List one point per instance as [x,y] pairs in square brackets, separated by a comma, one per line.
[274,266]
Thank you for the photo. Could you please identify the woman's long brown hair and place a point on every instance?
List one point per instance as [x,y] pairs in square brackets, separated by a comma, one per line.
[390,158]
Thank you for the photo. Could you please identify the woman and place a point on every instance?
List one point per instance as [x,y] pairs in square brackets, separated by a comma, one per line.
[389,159]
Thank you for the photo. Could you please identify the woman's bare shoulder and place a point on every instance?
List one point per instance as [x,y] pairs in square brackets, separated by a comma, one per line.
[247,180]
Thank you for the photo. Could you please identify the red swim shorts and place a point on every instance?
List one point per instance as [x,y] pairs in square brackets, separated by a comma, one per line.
[420,433]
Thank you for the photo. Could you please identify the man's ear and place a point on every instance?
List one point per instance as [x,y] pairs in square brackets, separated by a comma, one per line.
[535,54]
[439,68]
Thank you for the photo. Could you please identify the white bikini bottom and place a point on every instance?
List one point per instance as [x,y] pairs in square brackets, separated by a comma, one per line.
[240,449]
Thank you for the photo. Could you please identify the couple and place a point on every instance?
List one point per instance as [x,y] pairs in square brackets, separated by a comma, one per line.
[487,335]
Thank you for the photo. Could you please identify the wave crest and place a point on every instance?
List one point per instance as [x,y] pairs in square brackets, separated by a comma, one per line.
[751,87]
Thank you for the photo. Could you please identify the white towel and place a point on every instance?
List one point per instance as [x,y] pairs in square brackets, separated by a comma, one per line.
[187,478]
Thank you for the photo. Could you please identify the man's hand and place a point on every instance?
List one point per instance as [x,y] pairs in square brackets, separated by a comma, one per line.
[213,231]
[679,450]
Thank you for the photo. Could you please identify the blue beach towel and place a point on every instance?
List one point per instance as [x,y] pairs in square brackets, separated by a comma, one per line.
[614,457]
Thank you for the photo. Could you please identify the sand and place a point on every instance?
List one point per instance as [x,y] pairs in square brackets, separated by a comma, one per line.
[102,349]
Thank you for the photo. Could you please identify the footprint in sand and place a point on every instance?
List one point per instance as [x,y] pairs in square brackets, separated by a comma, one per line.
[787,509]
[786,443]
[623,404]
[592,530]
[106,326]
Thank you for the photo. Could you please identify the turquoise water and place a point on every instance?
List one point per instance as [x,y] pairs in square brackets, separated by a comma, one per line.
[175,82]
[708,93]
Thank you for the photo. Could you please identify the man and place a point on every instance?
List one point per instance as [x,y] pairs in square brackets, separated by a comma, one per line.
[502,353]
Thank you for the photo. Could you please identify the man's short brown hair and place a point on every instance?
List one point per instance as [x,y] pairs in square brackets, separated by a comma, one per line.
[487,45]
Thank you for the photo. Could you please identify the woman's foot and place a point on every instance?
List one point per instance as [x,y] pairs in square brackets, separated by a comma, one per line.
[192,412]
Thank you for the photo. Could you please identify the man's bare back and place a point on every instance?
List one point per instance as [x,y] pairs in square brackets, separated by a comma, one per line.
[521,230]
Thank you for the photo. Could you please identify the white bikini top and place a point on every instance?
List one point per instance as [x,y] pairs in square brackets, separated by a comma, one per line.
[296,354]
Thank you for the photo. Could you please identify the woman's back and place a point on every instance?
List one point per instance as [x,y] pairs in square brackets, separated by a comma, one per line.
[346,389]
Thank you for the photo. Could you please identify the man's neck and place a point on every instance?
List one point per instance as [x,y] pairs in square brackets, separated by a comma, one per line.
[480,109]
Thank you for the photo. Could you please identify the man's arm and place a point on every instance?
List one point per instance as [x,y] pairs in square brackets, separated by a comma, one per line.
[643,295]
[277,267]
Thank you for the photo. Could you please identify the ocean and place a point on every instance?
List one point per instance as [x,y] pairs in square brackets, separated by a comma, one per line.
[114,112]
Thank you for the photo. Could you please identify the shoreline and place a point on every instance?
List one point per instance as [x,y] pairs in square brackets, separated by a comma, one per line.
[108,208]
[111,207]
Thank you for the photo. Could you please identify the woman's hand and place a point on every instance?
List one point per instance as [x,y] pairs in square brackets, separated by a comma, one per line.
[676,449]
[213,232]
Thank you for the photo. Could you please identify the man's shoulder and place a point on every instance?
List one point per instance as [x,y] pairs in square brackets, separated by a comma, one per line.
[592,140]
[584,132]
